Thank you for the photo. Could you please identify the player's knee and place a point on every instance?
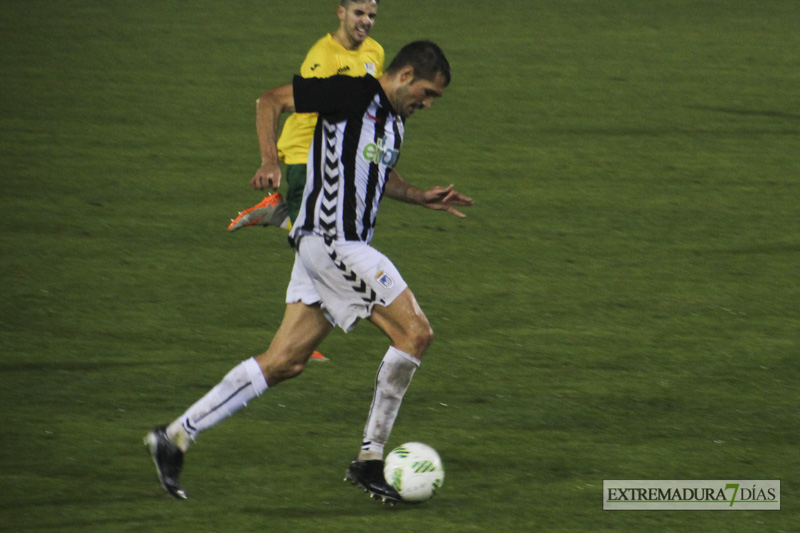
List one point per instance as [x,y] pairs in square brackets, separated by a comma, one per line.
[420,338]
[277,369]
[281,373]
[292,370]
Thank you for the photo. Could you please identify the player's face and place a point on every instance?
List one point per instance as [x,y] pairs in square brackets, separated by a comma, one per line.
[417,93]
[357,20]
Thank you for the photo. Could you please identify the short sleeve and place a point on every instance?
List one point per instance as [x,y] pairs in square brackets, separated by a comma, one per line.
[336,96]
[319,62]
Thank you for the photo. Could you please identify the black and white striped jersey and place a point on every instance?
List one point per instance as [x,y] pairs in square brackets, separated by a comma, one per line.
[356,145]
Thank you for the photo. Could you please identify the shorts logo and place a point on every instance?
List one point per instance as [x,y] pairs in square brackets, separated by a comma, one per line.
[384,279]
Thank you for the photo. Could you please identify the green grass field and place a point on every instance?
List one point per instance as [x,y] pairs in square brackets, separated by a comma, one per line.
[622,302]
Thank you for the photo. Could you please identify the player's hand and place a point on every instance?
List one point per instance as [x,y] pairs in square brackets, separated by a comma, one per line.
[268,176]
[444,198]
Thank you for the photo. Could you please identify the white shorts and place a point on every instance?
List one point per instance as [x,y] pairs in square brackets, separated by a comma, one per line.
[347,278]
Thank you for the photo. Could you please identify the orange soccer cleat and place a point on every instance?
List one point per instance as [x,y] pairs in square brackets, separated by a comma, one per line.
[271,211]
[316,356]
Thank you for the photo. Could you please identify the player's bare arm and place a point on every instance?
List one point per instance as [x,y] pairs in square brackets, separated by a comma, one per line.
[438,198]
[269,108]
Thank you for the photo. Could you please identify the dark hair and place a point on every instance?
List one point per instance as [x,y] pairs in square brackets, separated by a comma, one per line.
[346,3]
[427,59]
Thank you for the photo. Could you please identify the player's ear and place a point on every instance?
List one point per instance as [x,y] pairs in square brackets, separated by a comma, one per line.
[341,11]
[406,74]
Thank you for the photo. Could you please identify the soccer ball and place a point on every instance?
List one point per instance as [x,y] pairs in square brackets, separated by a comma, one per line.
[415,471]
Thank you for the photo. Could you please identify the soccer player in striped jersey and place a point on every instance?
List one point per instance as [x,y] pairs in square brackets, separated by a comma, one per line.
[338,277]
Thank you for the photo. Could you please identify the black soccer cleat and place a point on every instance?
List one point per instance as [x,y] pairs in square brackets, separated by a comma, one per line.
[369,476]
[168,459]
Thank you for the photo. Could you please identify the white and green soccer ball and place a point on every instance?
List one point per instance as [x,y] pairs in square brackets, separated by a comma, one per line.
[415,471]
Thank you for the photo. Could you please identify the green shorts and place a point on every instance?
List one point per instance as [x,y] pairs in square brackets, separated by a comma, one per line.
[296,182]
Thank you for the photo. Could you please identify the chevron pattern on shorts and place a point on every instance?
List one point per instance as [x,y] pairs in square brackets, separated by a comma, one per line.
[368,295]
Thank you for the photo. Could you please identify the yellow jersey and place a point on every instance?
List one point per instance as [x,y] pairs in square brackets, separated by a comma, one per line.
[325,59]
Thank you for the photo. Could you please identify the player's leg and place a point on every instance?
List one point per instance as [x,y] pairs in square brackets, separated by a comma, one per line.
[301,330]
[356,281]
[295,184]
[405,324]
[408,328]
[167,444]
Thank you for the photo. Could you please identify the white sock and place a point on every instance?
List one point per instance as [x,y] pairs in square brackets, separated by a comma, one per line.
[242,384]
[394,377]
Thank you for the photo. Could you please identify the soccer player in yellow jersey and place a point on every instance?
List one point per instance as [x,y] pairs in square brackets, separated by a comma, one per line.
[349,51]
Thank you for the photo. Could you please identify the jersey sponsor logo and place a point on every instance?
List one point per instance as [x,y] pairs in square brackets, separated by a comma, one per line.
[343,69]
[380,154]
